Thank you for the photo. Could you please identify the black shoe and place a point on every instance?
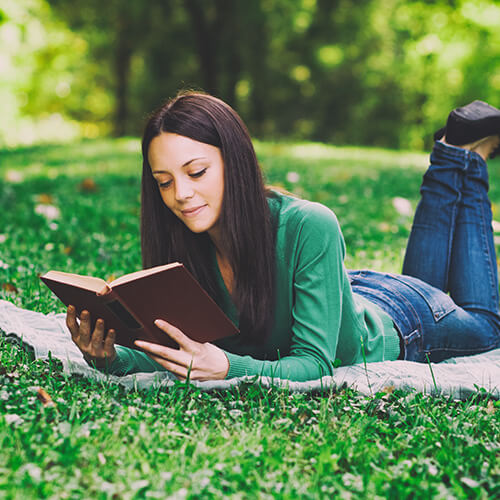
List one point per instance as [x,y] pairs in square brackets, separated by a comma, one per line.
[470,123]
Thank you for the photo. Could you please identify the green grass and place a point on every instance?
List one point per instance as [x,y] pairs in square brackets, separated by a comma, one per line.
[98,441]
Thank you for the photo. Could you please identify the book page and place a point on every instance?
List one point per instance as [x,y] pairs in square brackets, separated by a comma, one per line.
[87,282]
[140,274]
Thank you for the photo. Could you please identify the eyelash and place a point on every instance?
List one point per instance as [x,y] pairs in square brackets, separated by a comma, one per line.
[196,175]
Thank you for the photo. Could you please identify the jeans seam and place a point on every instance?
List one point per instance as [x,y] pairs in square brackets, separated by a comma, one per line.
[419,339]
[484,238]
[438,312]
[470,349]
[416,318]
[451,229]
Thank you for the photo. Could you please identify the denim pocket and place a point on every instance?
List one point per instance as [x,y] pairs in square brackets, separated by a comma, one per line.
[439,302]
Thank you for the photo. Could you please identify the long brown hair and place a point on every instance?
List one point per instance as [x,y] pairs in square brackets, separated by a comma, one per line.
[247,234]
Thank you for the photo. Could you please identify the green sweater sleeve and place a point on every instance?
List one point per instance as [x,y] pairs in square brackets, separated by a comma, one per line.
[132,361]
[319,279]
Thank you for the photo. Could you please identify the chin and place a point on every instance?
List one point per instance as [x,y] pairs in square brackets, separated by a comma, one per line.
[198,228]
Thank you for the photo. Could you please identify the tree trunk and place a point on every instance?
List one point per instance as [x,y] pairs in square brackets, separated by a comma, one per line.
[227,33]
[258,67]
[123,56]
[205,46]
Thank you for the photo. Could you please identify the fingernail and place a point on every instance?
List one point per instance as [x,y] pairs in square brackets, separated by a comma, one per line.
[158,322]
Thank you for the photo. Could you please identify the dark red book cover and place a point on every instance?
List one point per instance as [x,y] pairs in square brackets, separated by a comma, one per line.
[130,307]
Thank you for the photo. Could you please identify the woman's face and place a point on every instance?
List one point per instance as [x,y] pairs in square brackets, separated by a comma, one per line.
[190,176]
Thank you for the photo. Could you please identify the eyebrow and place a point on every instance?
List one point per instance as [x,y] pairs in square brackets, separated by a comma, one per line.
[185,165]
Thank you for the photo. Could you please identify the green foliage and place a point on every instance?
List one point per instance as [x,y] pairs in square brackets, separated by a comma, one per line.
[384,73]
[94,440]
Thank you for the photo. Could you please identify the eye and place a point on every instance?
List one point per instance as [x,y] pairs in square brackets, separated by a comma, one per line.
[198,174]
[165,184]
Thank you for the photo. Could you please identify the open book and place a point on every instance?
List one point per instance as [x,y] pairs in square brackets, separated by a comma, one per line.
[132,303]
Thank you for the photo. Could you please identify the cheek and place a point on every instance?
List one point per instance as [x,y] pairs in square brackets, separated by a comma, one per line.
[218,188]
[167,199]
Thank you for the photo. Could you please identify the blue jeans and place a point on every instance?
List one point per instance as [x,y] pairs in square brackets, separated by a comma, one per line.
[450,251]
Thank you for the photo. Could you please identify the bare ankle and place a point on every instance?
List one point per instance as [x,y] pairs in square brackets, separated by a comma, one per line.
[483,147]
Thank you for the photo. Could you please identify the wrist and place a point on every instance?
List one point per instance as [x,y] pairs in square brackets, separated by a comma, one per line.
[99,363]
[226,371]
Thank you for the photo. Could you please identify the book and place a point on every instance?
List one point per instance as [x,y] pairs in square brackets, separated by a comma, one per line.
[131,304]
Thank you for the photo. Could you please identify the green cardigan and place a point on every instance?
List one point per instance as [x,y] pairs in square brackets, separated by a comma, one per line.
[318,319]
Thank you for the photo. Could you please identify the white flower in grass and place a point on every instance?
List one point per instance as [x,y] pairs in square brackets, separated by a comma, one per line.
[14,176]
[204,482]
[3,265]
[3,238]
[293,177]
[12,418]
[402,206]
[471,483]
[34,472]
[51,212]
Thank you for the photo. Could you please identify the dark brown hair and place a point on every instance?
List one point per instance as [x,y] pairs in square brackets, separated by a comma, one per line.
[245,221]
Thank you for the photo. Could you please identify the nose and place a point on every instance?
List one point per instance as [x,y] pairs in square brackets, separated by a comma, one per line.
[183,189]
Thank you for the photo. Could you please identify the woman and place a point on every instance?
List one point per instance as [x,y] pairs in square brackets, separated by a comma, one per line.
[274,263]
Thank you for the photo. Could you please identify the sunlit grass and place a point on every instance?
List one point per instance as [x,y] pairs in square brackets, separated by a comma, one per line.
[75,207]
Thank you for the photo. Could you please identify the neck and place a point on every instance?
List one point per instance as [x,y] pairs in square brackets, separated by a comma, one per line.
[216,238]
[222,260]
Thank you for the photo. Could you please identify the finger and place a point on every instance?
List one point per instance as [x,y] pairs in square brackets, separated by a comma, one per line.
[109,342]
[175,355]
[180,371]
[183,340]
[71,322]
[98,335]
[85,327]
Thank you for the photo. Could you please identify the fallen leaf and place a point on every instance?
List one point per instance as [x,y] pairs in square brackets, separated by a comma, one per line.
[67,250]
[45,198]
[303,418]
[490,408]
[9,287]
[89,185]
[44,397]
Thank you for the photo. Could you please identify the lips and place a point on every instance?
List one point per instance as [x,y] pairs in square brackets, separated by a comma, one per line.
[192,212]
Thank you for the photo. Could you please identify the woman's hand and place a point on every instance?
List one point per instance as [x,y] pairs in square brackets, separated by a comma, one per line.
[199,361]
[97,349]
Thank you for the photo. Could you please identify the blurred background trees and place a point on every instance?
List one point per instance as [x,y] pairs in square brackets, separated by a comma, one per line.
[377,72]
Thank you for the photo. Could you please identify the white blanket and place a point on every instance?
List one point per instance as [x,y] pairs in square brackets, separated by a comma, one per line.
[456,377]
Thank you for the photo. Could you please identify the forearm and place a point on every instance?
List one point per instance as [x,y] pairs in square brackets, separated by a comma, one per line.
[296,368]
